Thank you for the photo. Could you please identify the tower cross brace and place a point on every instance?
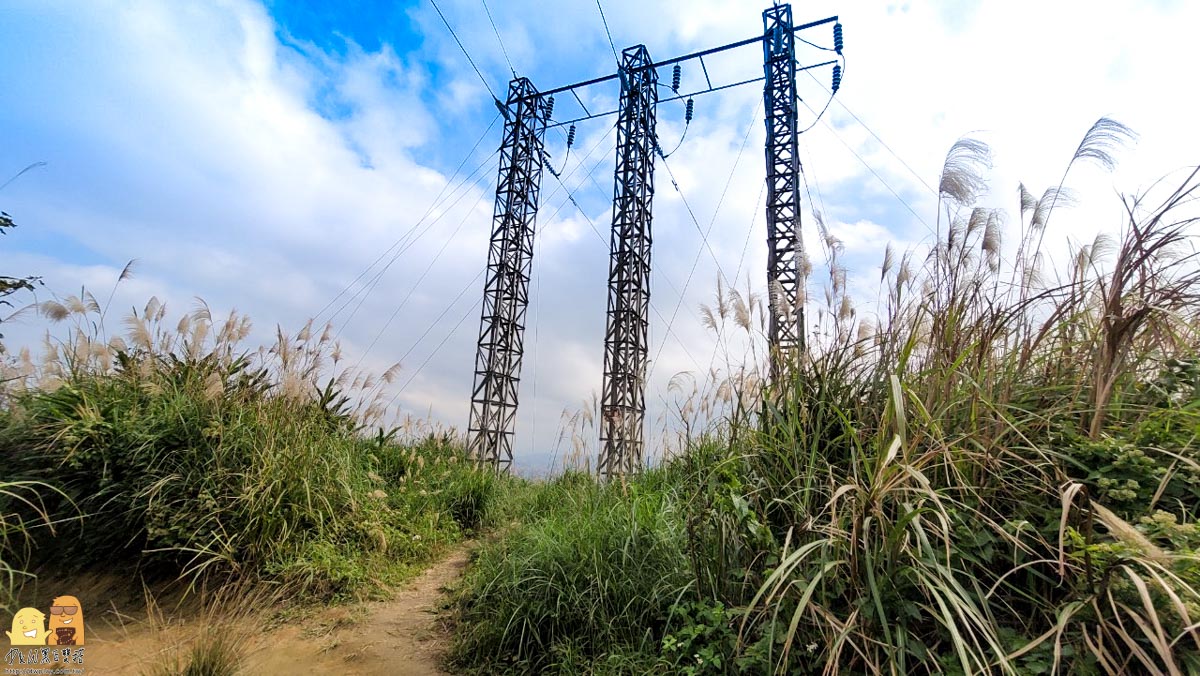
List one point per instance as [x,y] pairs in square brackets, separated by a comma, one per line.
[623,407]
[506,288]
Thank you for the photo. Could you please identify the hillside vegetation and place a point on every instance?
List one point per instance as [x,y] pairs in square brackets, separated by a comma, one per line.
[176,453]
[997,472]
[999,476]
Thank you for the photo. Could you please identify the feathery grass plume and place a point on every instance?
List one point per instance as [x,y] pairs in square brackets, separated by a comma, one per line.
[139,332]
[201,312]
[904,275]
[722,306]
[90,303]
[1027,200]
[888,262]
[152,307]
[805,266]
[305,332]
[837,274]
[389,376]
[778,299]
[53,310]
[962,174]
[846,310]
[1098,144]
[741,310]
[1051,197]
[707,319]
[126,273]
[977,220]
[990,244]
[75,305]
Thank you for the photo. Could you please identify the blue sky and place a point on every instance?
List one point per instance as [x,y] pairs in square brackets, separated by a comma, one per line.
[261,155]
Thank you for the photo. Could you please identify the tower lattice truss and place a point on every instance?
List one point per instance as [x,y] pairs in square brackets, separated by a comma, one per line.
[506,290]
[784,245]
[623,407]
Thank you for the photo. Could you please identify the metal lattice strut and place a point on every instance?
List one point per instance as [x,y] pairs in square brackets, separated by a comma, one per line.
[506,290]
[623,408]
[784,246]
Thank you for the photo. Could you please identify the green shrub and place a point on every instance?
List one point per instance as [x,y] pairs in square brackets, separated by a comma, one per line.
[995,475]
[595,577]
[186,458]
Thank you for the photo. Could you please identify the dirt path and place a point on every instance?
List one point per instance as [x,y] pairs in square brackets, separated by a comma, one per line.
[399,636]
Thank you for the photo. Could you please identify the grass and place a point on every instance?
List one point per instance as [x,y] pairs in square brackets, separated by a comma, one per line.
[179,453]
[995,474]
[997,471]
[593,566]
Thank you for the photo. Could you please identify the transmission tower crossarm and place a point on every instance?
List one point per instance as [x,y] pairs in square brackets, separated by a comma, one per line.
[686,57]
[506,288]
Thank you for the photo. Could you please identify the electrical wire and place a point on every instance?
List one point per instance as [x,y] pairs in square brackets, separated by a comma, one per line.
[449,307]
[695,221]
[571,197]
[465,52]
[420,279]
[872,170]
[828,102]
[432,206]
[872,131]
[365,292]
[433,354]
[463,292]
[686,126]
[591,176]
[606,32]
[704,234]
[741,260]
[498,38]
[813,44]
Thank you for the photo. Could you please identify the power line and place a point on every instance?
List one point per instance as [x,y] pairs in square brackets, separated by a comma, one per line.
[876,136]
[465,289]
[433,205]
[434,353]
[465,52]
[703,234]
[695,221]
[871,169]
[817,183]
[571,198]
[498,38]
[364,292]
[741,260]
[434,323]
[606,32]
[420,279]
[570,195]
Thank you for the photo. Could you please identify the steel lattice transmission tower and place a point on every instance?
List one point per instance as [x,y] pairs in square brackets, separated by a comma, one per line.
[623,407]
[784,246]
[506,290]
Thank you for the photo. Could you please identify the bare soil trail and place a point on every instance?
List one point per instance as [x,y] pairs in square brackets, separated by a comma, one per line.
[401,635]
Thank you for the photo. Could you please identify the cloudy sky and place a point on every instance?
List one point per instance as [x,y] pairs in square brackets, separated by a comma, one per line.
[264,155]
